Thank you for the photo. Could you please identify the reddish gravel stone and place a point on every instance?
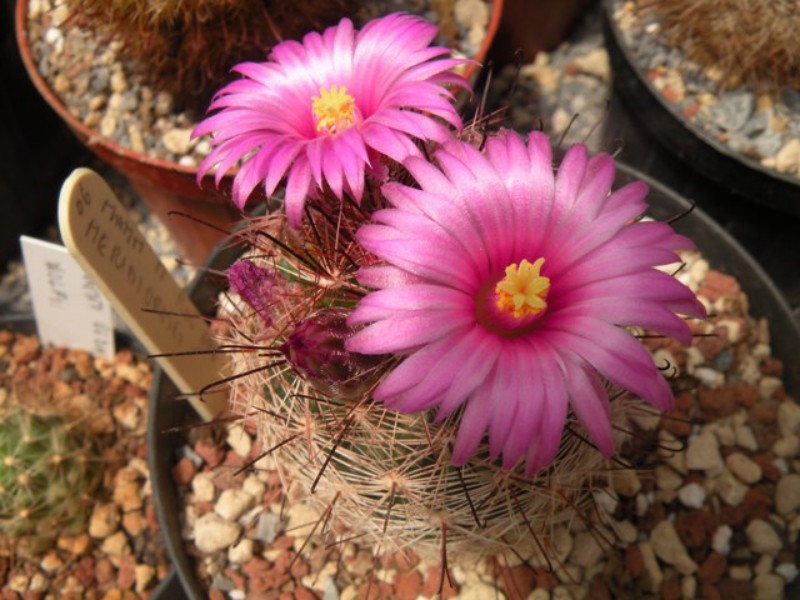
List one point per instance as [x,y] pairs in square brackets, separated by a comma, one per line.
[633,560]
[299,569]
[184,472]
[768,468]
[732,515]
[717,284]
[762,414]
[84,571]
[546,580]
[772,366]
[695,528]
[152,518]
[736,589]
[209,451]
[758,504]
[215,594]
[201,508]
[236,577]
[677,422]
[517,581]
[712,568]
[720,402]
[671,589]
[709,592]
[104,571]
[745,393]
[401,561]
[9,594]
[431,586]
[284,542]
[126,574]
[598,588]
[408,584]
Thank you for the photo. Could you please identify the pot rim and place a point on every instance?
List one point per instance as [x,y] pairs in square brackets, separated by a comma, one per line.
[92,138]
[692,144]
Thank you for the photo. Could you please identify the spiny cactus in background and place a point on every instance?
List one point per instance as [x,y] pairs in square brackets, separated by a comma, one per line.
[750,41]
[188,48]
[49,477]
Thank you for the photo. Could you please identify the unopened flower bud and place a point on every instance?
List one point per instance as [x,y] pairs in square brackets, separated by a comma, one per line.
[255,285]
[315,349]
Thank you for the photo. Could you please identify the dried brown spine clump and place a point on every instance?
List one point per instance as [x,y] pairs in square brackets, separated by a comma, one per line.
[188,48]
[745,41]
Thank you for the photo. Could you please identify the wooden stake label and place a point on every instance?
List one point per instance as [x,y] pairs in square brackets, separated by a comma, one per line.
[101,237]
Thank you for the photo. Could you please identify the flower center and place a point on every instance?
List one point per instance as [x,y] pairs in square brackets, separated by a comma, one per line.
[523,290]
[334,110]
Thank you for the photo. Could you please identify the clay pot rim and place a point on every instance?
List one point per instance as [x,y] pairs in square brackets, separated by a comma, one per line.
[91,138]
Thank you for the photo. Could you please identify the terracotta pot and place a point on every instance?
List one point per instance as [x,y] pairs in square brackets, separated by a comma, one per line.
[165,186]
[533,25]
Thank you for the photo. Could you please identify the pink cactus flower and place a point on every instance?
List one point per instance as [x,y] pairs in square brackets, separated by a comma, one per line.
[323,111]
[507,289]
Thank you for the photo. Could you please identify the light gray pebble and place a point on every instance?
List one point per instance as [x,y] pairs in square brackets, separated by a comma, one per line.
[723,360]
[768,143]
[187,451]
[709,377]
[721,540]
[268,528]
[732,110]
[222,583]
[788,571]
[330,592]
[692,495]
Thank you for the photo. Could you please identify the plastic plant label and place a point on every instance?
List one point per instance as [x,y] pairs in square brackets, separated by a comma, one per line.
[70,310]
[98,232]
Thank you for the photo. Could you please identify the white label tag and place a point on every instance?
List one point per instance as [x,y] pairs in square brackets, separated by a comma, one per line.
[70,310]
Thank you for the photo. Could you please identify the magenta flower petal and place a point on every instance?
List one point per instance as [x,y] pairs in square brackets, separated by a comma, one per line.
[314,112]
[507,289]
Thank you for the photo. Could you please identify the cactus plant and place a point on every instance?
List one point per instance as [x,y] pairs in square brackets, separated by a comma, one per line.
[391,342]
[49,476]
[188,48]
[750,41]
[386,477]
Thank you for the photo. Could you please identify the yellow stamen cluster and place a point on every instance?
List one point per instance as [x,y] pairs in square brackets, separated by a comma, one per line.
[334,109]
[523,290]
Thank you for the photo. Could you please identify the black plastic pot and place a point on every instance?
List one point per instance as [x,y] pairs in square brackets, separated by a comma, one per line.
[690,143]
[170,587]
[717,246]
[165,414]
